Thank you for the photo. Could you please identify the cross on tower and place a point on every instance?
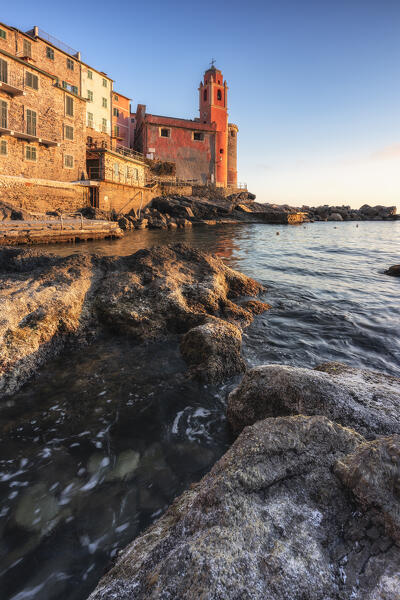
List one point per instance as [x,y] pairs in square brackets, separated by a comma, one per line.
[212,63]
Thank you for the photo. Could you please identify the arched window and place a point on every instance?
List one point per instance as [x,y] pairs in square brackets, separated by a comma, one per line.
[219,95]
[205,95]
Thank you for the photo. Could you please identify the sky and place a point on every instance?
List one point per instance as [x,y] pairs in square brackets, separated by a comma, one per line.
[314,85]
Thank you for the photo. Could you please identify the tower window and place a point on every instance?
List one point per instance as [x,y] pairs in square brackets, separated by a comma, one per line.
[219,95]
[221,150]
[205,95]
[198,136]
[232,133]
[164,132]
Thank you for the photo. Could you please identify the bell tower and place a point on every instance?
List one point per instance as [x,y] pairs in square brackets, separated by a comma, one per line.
[213,92]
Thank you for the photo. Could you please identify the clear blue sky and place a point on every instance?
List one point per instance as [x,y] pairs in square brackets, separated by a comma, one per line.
[314,84]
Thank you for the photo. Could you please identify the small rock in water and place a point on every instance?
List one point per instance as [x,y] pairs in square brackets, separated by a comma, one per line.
[394,271]
[37,509]
[127,463]
[277,233]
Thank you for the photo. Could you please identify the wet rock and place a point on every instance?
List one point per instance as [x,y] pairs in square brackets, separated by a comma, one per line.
[37,510]
[372,472]
[394,271]
[367,401]
[213,351]
[256,306]
[43,302]
[271,520]
[126,465]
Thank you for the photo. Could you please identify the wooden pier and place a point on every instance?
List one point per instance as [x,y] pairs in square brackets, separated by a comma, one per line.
[51,231]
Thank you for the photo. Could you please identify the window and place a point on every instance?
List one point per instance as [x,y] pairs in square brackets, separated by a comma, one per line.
[32,80]
[49,53]
[90,95]
[71,88]
[69,106]
[3,148]
[104,125]
[221,150]
[69,132]
[232,134]
[30,153]
[116,98]
[3,114]
[219,95]
[90,120]
[70,64]
[116,112]
[104,82]
[68,161]
[27,50]
[104,102]
[198,136]
[116,169]
[90,74]
[205,95]
[135,174]
[3,34]
[164,132]
[116,131]
[132,120]
[3,71]
[89,140]
[31,122]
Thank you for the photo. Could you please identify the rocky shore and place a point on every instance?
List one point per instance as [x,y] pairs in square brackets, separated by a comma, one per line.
[306,502]
[48,302]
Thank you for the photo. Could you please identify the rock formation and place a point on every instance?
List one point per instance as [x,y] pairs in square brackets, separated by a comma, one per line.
[366,401]
[273,520]
[45,299]
[394,271]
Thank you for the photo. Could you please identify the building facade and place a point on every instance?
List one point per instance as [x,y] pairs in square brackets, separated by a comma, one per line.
[203,149]
[97,88]
[121,120]
[42,123]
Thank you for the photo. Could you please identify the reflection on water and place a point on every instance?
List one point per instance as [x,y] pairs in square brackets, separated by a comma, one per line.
[100,443]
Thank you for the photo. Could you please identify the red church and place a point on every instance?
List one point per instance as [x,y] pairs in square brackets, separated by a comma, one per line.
[203,149]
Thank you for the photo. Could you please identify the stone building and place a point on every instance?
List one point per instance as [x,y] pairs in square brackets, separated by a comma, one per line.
[204,149]
[42,125]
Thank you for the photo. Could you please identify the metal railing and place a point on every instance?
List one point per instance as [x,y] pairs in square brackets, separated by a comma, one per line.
[106,145]
[54,41]
[98,174]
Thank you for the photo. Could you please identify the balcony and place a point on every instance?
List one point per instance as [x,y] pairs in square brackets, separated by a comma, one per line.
[15,130]
[12,84]
[108,174]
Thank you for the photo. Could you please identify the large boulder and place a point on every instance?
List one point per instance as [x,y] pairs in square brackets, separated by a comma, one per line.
[170,289]
[367,401]
[271,520]
[213,350]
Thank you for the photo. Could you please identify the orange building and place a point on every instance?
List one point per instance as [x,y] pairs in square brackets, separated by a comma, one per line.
[121,120]
[203,149]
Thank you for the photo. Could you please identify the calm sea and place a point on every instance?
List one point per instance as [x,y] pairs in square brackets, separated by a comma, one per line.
[97,446]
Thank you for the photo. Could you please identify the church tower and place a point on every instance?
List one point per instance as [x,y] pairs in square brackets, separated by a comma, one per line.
[214,110]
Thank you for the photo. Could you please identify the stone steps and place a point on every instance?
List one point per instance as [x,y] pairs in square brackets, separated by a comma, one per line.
[47,232]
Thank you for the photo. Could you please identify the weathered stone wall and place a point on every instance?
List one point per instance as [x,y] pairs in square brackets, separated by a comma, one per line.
[39,195]
[124,198]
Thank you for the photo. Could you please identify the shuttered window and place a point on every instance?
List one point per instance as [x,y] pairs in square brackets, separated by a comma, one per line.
[90,95]
[90,120]
[27,49]
[3,114]
[69,106]
[30,153]
[68,161]
[3,34]
[32,80]
[104,102]
[104,125]
[3,71]
[3,148]
[49,52]
[31,121]
[69,132]
[70,64]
